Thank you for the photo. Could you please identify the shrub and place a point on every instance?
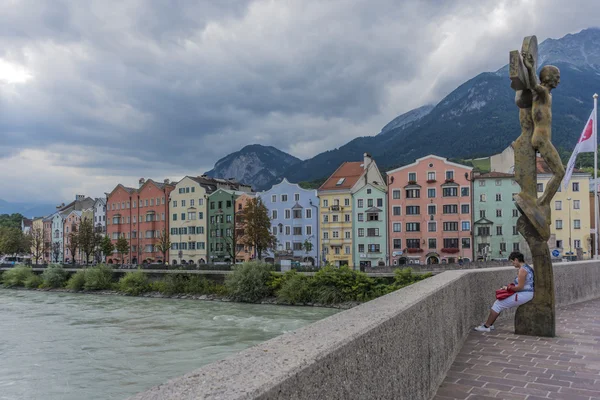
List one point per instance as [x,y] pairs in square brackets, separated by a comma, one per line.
[249,282]
[134,283]
[405,276]
[17,276]
[158,286]
[197,285]
[98,278]
[336,285]
[173,284]
[33,282]
[77,280]
[295,288]
[54,276]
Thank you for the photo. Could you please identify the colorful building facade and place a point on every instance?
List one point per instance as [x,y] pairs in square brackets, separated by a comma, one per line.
[495,216]
[430,218]
[222,235]
[294,214]
[369,205]
[243,252]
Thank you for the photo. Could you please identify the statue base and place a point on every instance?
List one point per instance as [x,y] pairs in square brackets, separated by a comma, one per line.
[535,319]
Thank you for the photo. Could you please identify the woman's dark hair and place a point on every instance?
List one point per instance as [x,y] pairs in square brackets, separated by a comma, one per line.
[515,254]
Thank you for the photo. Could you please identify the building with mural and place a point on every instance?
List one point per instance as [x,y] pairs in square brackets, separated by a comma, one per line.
[294,214]
[495,216]
[369,206]
[335,201]
[430,218]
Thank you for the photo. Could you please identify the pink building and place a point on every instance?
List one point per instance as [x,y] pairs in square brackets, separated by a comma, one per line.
[430,207]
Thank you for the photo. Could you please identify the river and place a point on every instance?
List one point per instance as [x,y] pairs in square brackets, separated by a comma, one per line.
[72,346]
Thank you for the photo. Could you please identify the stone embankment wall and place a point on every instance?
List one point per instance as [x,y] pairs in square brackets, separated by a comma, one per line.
[398,346]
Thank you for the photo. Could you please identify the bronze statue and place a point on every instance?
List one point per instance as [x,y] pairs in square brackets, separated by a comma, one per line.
[535,115]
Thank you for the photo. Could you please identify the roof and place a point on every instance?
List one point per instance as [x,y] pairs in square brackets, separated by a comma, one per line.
[543,168]
[418,160]
[494,174]
[344,177]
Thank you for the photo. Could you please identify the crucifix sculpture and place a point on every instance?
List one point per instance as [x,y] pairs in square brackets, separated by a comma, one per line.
[534,100]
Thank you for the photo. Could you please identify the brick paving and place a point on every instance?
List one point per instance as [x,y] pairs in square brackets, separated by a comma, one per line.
[502,365]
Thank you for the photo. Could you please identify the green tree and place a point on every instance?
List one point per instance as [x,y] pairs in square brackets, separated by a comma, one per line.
[87,238]
[73,242]
[122,247]
[98,238]
[107,246]
[11,221]
[164,244]
[13,241]
[307,246]
[257,227]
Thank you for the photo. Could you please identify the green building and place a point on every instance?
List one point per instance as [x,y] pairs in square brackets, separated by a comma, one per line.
[495,216]
[369,218]
[221,227]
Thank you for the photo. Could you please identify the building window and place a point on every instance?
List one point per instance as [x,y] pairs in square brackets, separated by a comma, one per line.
[397,227]
[577,243]
[576,186]
[482,183]
[284,198]
[347,250]
[450,226]
[499,213]
[432,243]
[502,246]
[431,176]
[515,246]
[558,205]
[397,243]
[498,182]
[347,203]
[466,243]
[396,210]
[515,231]
[308,230]
[450,209]
[371,217]
[347,217]
[361,232]
[431,193]
[374,248]
[413,227]
[192,202]
[174,217]
[297,230]
[431,209]
[200,215]
[451,243]
[369,191]
[483,231]
[346,235]
[464,191]
[413,243]
[498,196]
[308,213]
[361,248]
[325,235]
[273,214]
[465,209]
[325,203]
[499,230]
[396,194]
[296,196]
[413,210]
[412,176]
[297,214]
[559,224]
[288,214]
[413,193]
[432,226]
[576,205]
[360,203]
[334,218]
[466,225]
[183,216]
[481,213]
[372,232]
[482,198]
[360,217]
[450,192]
[540,187]
[369,202]
[576,224]
[274,198]
[379,202]
[515,213]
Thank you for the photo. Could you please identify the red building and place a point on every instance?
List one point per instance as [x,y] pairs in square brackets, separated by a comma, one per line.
[140,216]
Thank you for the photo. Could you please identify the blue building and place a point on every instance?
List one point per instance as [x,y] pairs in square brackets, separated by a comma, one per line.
[294,216]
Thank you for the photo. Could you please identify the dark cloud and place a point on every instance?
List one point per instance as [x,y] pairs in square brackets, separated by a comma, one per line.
[131,85]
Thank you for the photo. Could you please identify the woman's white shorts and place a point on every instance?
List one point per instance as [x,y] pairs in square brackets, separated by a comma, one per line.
[515,300]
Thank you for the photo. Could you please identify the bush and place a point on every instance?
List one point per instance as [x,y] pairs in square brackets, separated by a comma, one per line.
[134,283]
[33,282]
[76,281]
[336,285]
[295,288]
[173,284]
[197,285]
[17,276]
[249,282]
[54,276]
[98,278]
[404,277]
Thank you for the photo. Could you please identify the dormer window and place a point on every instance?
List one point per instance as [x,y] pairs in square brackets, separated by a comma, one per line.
[340,181]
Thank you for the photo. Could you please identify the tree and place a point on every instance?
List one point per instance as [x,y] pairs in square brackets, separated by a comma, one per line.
[107,246]
[11,221]
[55,251]
[98,239]
[164,244]
[36,236]
[122,247]
[13,241]
[257,227]
[73,242]
[87,238]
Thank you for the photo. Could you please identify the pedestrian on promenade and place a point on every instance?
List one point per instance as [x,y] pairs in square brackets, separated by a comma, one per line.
[523,291]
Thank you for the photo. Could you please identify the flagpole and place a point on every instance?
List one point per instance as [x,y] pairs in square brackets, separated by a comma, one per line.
[595,134]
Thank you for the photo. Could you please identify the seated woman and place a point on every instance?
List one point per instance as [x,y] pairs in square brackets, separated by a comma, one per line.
[523,291]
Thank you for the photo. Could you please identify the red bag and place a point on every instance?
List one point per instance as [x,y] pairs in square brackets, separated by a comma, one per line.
[502,294]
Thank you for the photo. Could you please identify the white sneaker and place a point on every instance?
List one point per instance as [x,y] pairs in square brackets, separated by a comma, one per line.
[482,328]
[492,327]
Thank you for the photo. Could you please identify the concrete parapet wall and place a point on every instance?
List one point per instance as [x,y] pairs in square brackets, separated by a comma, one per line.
[398,346]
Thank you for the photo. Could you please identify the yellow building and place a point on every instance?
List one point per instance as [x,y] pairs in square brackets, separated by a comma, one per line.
[570,230]
[335,208]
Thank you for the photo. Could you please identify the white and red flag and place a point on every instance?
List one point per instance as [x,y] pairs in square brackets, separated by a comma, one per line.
[587,144]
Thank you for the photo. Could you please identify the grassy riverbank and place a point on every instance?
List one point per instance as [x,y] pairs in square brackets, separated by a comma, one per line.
[250,282]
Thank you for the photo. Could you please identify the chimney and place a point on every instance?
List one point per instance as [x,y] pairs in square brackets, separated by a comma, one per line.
[79,197]
[367,160]
[141,181]
[167,181]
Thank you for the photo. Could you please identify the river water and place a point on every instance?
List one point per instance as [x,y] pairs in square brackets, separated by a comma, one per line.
[71,346]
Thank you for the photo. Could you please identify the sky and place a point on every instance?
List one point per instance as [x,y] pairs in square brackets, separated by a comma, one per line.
[95,93]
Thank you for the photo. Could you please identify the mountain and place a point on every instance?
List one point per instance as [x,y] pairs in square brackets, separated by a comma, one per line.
[28,210]
[254,164]
[405,120]
[479,117]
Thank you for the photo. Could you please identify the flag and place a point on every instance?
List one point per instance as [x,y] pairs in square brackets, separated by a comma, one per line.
[587,144]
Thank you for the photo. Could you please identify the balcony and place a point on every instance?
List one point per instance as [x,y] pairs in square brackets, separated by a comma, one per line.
[335,208]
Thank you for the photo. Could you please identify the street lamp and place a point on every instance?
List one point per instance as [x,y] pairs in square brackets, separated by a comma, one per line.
[570,247]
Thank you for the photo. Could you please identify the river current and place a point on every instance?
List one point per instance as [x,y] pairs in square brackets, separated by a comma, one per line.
[62,346]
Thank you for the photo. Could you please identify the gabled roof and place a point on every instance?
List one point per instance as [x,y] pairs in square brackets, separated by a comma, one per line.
[344,177]
[543,168]
[373,210]
[418,160]
[483,221]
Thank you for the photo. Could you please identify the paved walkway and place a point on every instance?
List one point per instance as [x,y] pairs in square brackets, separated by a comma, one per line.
[503,365]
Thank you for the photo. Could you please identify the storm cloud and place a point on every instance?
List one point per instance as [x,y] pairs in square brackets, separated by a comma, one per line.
[99,92]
